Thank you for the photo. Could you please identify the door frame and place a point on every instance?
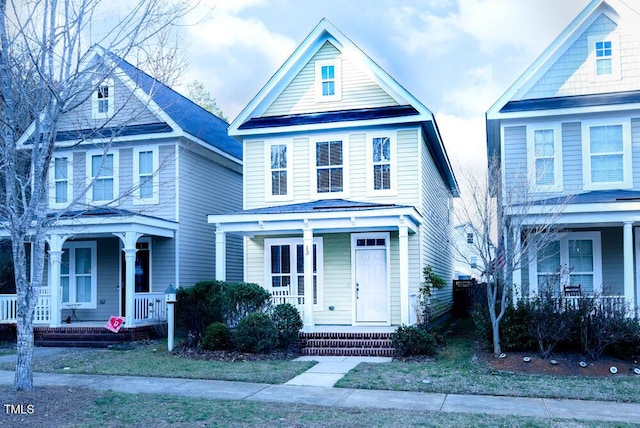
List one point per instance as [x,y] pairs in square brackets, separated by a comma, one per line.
[122,288]
[370,235]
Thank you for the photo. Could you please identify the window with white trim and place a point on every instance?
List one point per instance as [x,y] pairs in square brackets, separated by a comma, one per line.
[545,159]
[145,175]
[604,55]
[102,170]
[575,259]
[329,167]
[60,178]
[102,100]
[606,147]
[78,274]
[469,238]
[328,80]
[278,180]
[285,269]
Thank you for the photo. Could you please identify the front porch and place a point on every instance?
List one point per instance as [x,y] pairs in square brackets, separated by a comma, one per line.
[148,308]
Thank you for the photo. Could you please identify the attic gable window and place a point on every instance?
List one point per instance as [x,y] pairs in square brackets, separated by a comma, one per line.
[102,100]
[328,80]
[604,57]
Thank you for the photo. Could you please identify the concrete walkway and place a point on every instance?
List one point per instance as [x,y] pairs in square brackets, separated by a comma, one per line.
[314,387]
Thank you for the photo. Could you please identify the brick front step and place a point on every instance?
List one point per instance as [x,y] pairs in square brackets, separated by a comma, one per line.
[346,344]
[349,352]
[88,337]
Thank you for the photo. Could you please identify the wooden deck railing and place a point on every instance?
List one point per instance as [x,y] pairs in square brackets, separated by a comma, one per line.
[149,307]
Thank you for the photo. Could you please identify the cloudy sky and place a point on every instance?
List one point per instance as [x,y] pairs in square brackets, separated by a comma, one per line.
[456,56]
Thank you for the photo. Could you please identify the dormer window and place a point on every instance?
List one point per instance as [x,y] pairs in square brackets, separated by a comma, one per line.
[102,104]
[328,80]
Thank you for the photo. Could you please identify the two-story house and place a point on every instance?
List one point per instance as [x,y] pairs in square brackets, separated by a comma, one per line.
[347,189]
[571,125]
[136,169]
[467,255]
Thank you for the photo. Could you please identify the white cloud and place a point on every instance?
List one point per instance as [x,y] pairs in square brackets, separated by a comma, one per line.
[529,25]
[474,93]
[465,142]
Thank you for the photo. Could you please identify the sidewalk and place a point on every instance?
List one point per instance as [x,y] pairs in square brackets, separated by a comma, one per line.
[315,387]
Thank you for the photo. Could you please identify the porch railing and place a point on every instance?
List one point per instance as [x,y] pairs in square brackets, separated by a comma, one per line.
[282,296]
[149,307]
[606,304]
[9,309]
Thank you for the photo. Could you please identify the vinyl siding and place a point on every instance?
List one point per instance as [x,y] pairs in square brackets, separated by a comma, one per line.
[515,158]
[128,110]
[572,157]
[337,281]
[635,150]
[571,73]
[436,231]
[359,90]
[205,188]
[357,171]
[163,267]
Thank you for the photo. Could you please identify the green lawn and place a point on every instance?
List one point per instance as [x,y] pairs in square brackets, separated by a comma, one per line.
[457,371]
[154,360]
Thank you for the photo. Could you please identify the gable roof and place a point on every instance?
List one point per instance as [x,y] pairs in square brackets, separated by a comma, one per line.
[179,114]
[617,10]
[189,116]
[409,110]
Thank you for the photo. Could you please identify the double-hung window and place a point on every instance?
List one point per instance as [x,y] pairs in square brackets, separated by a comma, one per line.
[381,164]
[606,150]
[278,180]
[78,274]
[102,173]
[145,175]
[574,259]
[60,178]
[328,80]
[545,157]
[102,100]
[285,264]
[329,167]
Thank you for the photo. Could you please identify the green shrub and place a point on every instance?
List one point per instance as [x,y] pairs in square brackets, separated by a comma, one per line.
[216,337]
[515,332]
[255,333]
[288,324]
[242,299]
[413,340]
[198,306]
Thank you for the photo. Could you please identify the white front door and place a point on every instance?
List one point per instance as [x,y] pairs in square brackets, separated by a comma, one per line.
[372,294]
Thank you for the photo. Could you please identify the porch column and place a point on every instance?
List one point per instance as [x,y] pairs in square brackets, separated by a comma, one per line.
[55,257]
[403,248]
[307,242]
[129,239]
[628,263]
[221,253]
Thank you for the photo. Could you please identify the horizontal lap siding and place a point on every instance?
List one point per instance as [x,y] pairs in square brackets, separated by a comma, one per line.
[254,259]
[254,174]
[337,281]
[635,150]
[515,159]
[128,110]
[612,261]
[436,231]
[359,90]
[163,271]
[301,167]
[408,166]
[358,166]
[206,187]
[572,157]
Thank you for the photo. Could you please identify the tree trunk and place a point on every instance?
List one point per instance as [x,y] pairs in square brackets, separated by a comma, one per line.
[24,366]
